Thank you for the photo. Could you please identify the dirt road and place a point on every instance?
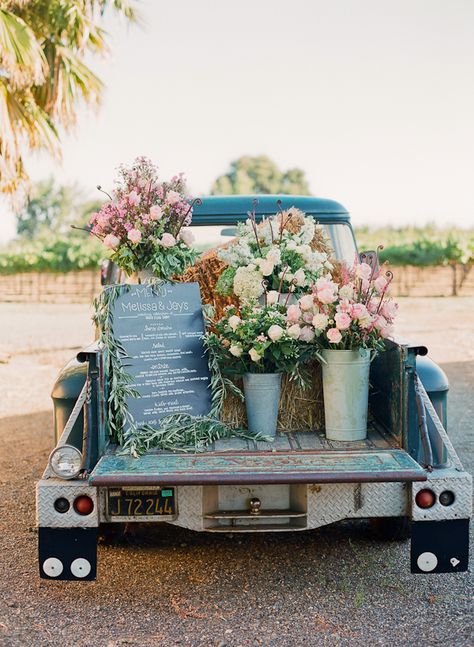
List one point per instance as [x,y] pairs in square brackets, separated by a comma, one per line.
[333,586]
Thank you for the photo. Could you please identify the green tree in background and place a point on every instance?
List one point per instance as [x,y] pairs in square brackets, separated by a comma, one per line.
[50,209]
[44,45]
[248,175]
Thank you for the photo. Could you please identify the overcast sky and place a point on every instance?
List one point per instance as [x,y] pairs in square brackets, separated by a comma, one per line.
[374,99]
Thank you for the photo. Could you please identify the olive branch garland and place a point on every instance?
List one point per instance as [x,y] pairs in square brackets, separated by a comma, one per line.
[177,432]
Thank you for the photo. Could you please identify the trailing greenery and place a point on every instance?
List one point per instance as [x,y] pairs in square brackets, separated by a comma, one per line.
[177,432]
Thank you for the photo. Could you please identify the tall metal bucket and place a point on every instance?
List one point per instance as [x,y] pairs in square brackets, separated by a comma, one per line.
[262,398]
[346,393]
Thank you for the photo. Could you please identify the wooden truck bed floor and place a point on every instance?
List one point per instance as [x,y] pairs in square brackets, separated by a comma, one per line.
[292,458]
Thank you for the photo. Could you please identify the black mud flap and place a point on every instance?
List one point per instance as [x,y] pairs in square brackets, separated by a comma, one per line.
[67,553]
[440,546]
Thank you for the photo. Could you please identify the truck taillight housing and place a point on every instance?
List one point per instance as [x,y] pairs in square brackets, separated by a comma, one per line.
[425,499]
[83,504]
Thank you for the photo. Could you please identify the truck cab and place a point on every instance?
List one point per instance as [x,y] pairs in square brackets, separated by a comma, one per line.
[406,476]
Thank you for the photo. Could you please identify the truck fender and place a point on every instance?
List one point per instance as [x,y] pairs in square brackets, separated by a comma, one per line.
[65,392]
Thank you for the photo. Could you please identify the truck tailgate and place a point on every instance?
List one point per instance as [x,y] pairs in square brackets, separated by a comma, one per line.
[236,467]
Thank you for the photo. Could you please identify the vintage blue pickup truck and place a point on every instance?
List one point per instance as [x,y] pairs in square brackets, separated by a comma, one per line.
[406,477]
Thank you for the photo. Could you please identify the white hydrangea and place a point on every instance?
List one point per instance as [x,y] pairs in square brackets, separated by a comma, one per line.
[307,231]
[274,255]
[248,283]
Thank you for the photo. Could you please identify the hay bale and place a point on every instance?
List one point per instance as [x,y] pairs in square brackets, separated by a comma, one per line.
[300,409]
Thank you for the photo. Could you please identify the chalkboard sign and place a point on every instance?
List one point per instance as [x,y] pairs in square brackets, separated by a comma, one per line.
[161,328]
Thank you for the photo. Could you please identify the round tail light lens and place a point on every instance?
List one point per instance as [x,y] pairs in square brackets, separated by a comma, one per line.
[447,497]
[83,504]
[425,499]
[61,505]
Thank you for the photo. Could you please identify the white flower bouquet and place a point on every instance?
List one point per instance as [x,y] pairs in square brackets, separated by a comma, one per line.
[279,255]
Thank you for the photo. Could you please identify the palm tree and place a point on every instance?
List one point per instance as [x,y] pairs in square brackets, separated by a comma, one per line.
[43,76]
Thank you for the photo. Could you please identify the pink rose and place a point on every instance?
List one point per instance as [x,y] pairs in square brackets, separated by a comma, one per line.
[380,284]
[293,313]
[155,212]
[111,241]
[134,235]
[133,198]
[187,236]
[389,310]
[294,331]
[363,271]
[334,335]
[325,283]
[308,317]
[167,240]
[307,334]
[343,320]
[306,302]
[359,311]
[326,296]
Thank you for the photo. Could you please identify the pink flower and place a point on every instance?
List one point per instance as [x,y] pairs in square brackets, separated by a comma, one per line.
[187,236]
[172,197]
[307,334]
[167,240]
[134,235]
[387,331]
[133,198]
[344,306]
[373,305]
[306,302]
[380,322]
[294,331]
[293,313]
[308,317]
[380,284]
[389,310]
[275,332]
[327,296]
[325,283]
[343,320]
[359,311]
[334,335]
[155,212]
[111,241]
[363,271]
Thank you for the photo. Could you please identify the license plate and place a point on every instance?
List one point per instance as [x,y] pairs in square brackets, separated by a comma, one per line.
[140,503]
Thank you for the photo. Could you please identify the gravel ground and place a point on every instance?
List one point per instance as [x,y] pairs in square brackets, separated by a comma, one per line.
[166,586]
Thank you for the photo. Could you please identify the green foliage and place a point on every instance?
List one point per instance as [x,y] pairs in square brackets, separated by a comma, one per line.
[45,49]
[419,246]
[53,254]
[53,208]
[257,341]
[250,175]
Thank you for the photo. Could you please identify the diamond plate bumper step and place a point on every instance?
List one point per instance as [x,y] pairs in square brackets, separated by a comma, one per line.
[213,468]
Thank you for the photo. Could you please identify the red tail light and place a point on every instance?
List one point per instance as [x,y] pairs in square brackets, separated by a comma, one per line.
[425,499]
[83,504]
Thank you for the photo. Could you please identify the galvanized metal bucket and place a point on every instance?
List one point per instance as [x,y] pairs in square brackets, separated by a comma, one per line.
[262,398]
[346,393]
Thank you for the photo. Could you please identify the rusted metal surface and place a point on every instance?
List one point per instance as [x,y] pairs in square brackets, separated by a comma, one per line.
[258,467]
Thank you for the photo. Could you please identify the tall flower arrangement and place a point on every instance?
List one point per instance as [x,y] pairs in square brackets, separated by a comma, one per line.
[354,312]
[145,221]
[282,254]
